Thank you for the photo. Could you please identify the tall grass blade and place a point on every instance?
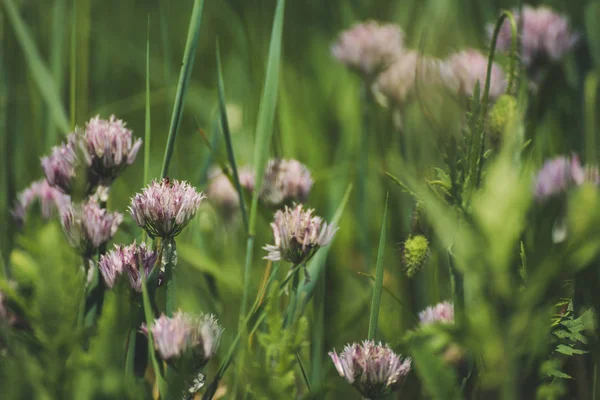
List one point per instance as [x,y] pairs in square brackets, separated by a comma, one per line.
[39,71]
[184,81]
[377,288]
[227,134]
[73,66]
[147,112]
[57,44]
[149,317]
[264,131]
[304,375]
[591,102]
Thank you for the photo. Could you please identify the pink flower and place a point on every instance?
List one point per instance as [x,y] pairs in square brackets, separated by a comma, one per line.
[559,173]
[164,208]
[470,66]
[369,47]
[50,199]
[59,167]
[285,181]
[222,193]
[441,312]
[373,369]
[133,260]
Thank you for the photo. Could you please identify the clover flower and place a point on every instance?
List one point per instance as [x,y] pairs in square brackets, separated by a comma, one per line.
[369,47]
[546,35]
[298,235]
[400,80]
[222,193]
[133,259]
[557,174]
[441,312]
[49,197]
[108,148]
[470,67]
[165,207]
[285,181]
[373,369]
[186,336]
[59,167]
[88,227]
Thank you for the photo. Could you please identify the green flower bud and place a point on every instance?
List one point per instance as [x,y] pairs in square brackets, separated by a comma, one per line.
[500,119]
[415,254]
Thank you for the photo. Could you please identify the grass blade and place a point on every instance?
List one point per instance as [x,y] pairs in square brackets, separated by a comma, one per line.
[147,117]
[377,288]
[184,80]
[590,90]
[73,66]
[304,375]
[264,131]
[39,71]
[227,134]
[57,43]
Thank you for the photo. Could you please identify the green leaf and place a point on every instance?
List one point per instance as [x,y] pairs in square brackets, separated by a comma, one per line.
[39,71]
[568,350]
[379,269]
[438,378]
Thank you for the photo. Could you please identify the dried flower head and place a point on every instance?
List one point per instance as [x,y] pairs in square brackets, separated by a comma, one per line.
[88,227]
[415,253]
[285,181]
[165,207]
[108,148]
[398,82]
[557,174]
[441,312]
[373,369]
[49,197]
[223,194]
[546,35]
[470,67]
[60,166]
[133,259]
[369,47]
[186,338]
[298,235]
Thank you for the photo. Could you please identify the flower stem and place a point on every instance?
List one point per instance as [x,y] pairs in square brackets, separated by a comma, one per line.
[363,168]
[130,356]
[291,310]
[379,269]
[169,260]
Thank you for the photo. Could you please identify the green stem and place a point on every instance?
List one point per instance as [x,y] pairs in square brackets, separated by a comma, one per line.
[247,267]
[130,356]
[363,175]
[291,310]
[379,269]
[458,288]
[184,79]
[170,261]
[590,90]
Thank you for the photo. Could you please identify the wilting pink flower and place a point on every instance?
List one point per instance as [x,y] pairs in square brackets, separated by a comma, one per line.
[164,208]
[373,369]
[441,312]
[196,336]
[222,193]
[108,148]
[546,35]
[59,167]
[369,47]
[470,66]
[88,227]
[298,235]
[132,260]
[49,198]
[558,174]
[285,181]
[400,80]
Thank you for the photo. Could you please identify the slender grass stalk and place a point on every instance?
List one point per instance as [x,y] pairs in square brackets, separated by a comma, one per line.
[169,259]
[84,10]
[39,71]
[187,65]
[304,375]
[6,153]
[379,268]
[291,310]
[130,356]
[227,135]
[264,132]
[590,95]
[147,123]
[57,43]
[363,172]
[318,332]
[73,67]
[149,317]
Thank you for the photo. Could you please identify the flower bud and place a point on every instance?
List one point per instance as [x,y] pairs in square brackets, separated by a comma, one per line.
[415,254]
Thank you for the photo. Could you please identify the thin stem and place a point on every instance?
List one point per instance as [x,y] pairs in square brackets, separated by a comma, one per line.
[247,266]
[130,356]
[379,269]
[169,261]
[291,310]
[363,167]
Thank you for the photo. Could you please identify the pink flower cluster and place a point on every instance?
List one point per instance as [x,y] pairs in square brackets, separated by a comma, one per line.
[222,193]
[440,313]
[59,167]
[134,260]
[373,369]
[558,174]
[286,181]
[470,67]
[49,198]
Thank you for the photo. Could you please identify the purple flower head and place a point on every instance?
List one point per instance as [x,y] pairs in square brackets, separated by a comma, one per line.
[546,35]
[373,369]
[286,181]
[186,336]
[222,193]
[470,67]
[399,81]
[59,167]
[298,235]
[369,47]
[49,197]
[165,207]
[108,147]
[558,174]
[441,312]
[88,227]
[133,260]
